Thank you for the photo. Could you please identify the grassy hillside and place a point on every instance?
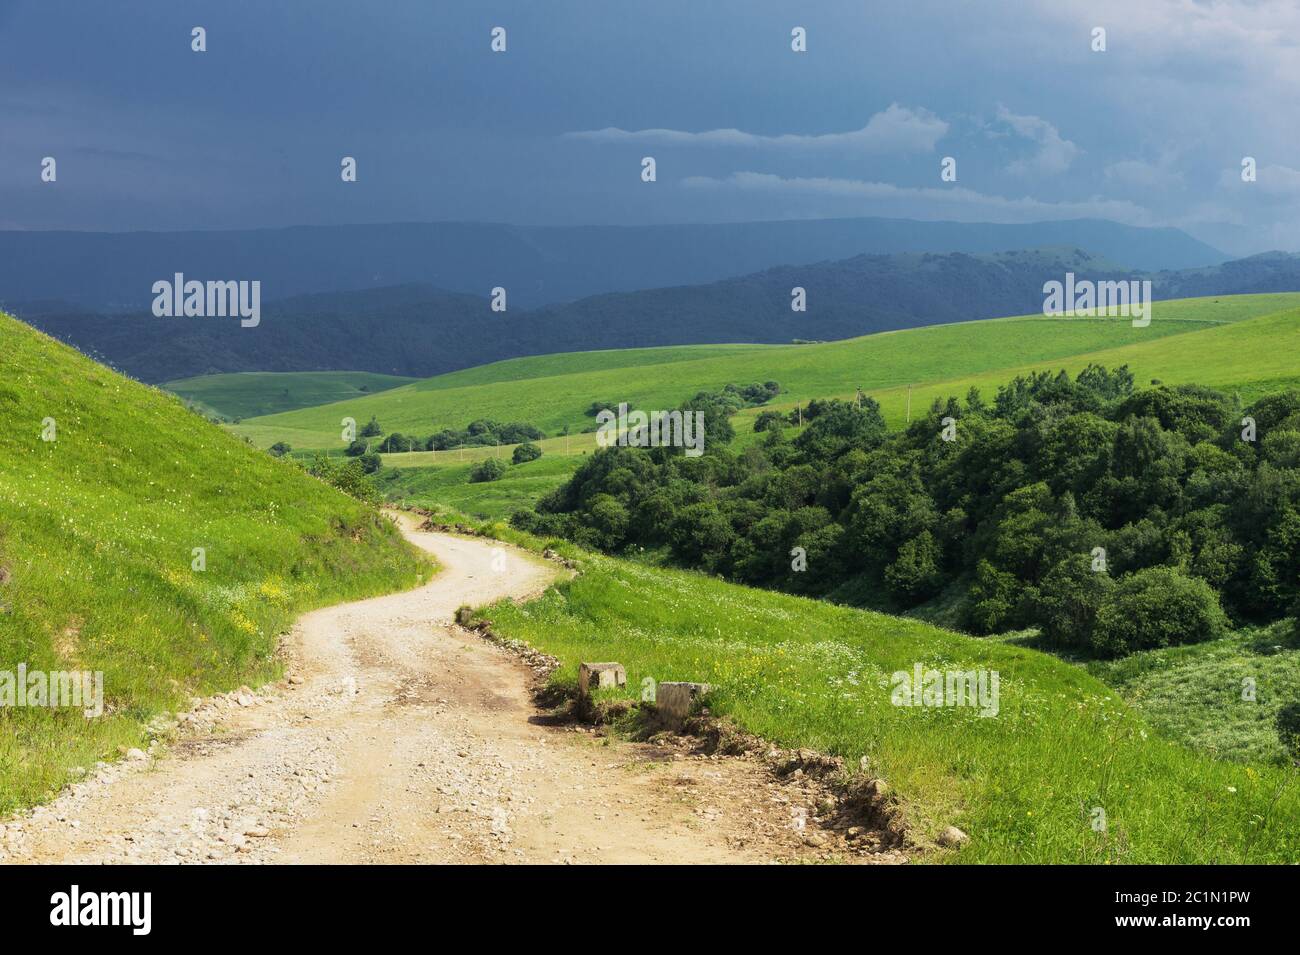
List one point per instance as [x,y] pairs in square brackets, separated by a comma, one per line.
[1023,783]
[245,394]
[97,535]
[554,391]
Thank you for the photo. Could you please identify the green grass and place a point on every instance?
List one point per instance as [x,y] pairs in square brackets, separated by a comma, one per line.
[555,390]
[97,531]
[1023,783]
[1194,694]
[522,485]
[250,393]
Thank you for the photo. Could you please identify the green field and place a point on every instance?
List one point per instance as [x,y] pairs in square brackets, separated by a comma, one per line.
[519,489]
[1235,342]
[245,394]
[553,391]
[97,563]
[1024,783]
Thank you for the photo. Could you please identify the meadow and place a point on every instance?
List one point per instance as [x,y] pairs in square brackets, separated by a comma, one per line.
[522,485]
[250,393]
[98,563]
[555,390]
[1240,343]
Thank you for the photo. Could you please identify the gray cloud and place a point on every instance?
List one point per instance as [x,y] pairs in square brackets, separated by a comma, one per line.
[896,129]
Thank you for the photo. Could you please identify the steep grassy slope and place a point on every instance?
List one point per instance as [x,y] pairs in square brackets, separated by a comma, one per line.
[1024,783]
[555,391]
[245,394]
[98,530]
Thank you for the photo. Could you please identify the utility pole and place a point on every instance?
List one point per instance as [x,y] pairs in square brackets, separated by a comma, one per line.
[909,404]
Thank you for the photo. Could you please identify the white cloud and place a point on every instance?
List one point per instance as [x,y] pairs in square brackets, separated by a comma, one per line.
[896,129]
[1054,155]
[975,204]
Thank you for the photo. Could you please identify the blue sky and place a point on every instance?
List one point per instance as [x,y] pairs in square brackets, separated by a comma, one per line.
[151,135]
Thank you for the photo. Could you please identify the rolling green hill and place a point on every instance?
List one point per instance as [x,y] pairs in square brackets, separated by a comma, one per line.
[246,394]
[555,390]
[98,531]
[1025,782]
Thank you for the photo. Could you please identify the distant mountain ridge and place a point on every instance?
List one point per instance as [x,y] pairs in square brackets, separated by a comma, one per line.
[420,331]
[538,265]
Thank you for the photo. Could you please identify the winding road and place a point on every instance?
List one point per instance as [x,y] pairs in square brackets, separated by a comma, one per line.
[397,737]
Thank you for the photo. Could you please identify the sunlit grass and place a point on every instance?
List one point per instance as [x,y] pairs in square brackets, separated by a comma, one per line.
[1024,784]
[97,536]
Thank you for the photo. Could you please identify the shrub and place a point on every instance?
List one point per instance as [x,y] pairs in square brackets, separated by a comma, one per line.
[526,452]
[279,449]
[348,476]
[1157,607]
[489,469]
[1288,727]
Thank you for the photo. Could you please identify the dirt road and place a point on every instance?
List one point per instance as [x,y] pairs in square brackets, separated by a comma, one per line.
[397,737]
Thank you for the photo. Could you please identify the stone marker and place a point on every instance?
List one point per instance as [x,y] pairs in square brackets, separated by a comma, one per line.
[597,676]
[674,700]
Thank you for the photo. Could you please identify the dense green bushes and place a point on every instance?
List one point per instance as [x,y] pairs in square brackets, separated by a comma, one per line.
[526,452]
[1111,519]
[482,433]
[489,469]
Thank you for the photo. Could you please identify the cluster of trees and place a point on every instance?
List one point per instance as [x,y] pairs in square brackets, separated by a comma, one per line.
[480,433]
[729,400]
[483,432]
[1109,518]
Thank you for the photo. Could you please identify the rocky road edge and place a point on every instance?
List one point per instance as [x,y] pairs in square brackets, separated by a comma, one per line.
[853,811]
[841,813]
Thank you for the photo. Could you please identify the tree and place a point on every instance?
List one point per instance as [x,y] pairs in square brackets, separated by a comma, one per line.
[372,429]
[279,449]
[991,601]
[489,469]
[526,452]
[1065,604]
[396,442]
[915,575]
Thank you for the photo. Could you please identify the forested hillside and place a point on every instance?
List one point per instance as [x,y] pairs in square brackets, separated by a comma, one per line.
[1113,519]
